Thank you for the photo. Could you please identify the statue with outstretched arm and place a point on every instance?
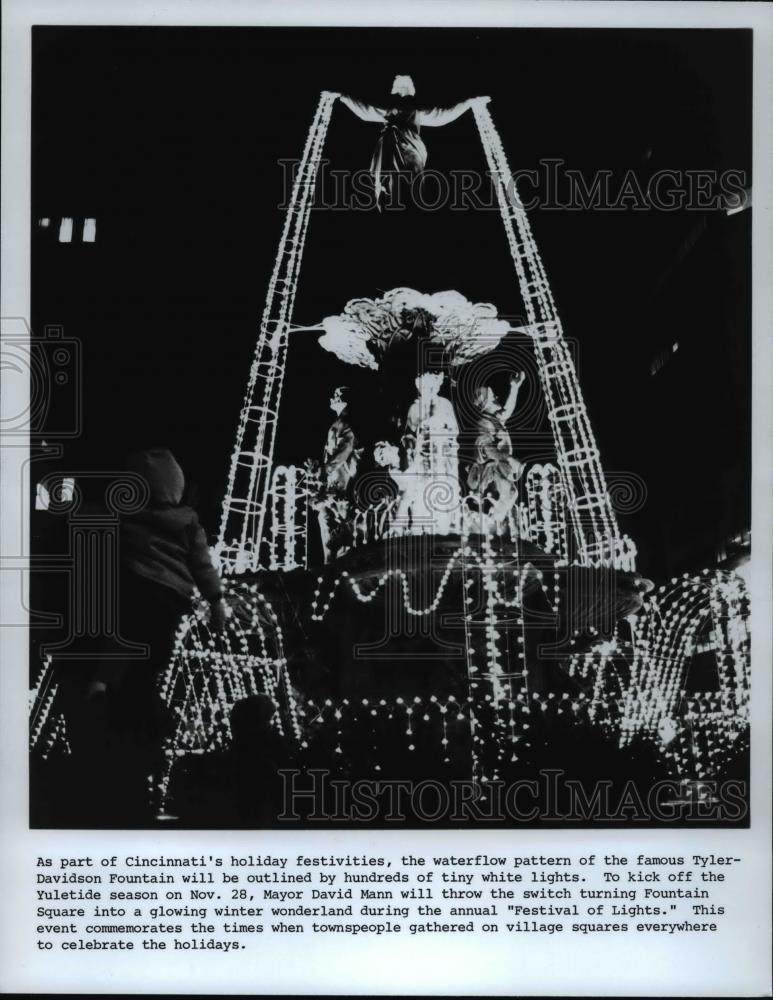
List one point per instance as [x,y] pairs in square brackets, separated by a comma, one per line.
[400,146]
[495,468]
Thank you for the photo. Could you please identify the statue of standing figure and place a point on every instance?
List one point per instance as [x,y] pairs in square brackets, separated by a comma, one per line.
[429,480]
[339,466]
[495,468]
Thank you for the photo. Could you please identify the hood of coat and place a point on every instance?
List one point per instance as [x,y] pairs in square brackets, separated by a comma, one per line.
[159,468]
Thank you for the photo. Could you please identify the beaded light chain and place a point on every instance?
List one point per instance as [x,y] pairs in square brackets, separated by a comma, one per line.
[546,510]
[372,738]
[590,508]
[47,728]
[209,672]
[639,684]
[666,633]
[247,494]
[434,736]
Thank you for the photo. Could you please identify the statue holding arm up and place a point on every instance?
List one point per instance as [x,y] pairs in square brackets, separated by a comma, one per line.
[495,468]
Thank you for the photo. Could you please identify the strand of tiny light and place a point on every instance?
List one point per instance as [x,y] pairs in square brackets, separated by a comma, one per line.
[195,659]
[42,698]
[270,354]
[366,598]
[536,292]
[662,647]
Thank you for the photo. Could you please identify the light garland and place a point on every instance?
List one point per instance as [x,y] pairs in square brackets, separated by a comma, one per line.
[546,510]
[291,495]
[320,606]
[700,729]
[590,507]
[209,672]
[245,505]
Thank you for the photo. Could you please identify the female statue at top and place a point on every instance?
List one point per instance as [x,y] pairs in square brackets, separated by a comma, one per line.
[400,146]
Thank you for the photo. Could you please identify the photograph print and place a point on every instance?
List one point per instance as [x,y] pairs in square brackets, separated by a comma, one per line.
[390,464]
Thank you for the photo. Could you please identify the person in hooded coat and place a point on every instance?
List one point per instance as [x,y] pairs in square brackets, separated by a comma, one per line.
[164,550]
[163,559]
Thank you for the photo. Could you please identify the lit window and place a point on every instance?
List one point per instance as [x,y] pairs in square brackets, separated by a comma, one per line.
[65,231]
[44,223]
[89,230]
[65,493]
[42,499]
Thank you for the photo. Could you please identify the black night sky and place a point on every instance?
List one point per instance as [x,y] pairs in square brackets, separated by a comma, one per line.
[171,139]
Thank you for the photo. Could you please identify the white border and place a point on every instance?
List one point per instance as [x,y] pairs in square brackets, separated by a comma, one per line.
[734,967]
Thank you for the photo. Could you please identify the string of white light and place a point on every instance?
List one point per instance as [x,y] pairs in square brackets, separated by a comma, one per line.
[239,547]
[590,507]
